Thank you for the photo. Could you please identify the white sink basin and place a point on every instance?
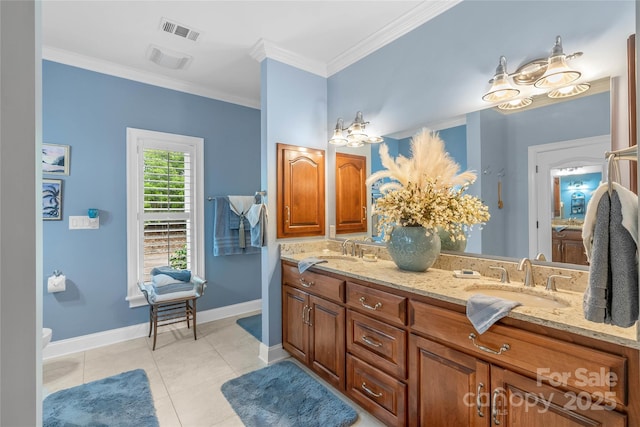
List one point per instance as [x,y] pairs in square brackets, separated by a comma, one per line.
[526,297]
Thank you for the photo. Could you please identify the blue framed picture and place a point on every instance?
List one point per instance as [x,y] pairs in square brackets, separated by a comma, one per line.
[51,199]
[55,159]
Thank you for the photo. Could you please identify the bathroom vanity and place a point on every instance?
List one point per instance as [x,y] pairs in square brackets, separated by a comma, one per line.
[399,344]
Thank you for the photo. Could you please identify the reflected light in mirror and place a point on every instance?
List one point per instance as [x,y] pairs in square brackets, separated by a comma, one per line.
[516,104]
[567,91]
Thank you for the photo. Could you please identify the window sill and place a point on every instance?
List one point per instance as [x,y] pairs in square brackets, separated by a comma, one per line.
[136,301]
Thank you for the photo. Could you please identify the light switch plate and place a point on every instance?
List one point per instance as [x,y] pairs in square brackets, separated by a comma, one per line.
[83,223]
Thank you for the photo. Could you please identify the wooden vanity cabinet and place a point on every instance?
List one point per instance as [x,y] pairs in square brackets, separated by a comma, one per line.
[313,322]
[567,246]
[301,191]
[411,360]
[351,193]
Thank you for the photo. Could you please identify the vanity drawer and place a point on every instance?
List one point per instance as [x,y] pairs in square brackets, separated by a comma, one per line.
[314,283]
[378,393]
[381,345]
[379,304]
[543,358]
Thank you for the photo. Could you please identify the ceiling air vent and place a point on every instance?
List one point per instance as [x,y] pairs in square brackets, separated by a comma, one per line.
[179,30]
[168,58]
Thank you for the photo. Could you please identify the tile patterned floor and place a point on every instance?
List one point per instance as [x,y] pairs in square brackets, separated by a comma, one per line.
[185,375]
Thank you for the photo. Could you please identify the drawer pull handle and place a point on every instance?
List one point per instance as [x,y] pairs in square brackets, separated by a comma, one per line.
[494,407]
[370,392]
[304,314]
[288,218]
[371,341]
[370,307]
[306,284]
[502,349]
[309,316]
[479,400]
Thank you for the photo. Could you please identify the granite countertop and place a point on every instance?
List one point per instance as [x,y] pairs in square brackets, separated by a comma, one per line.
[442,285]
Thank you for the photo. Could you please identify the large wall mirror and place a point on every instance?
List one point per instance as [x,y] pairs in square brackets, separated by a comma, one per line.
[499,146]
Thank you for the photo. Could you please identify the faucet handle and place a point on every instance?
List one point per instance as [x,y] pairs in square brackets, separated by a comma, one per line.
[504,274]
[551,282]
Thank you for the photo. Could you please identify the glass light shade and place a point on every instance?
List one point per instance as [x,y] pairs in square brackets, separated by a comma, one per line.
[516,104]
[374,139]
[558,73]
[355,142]
[338,138]
[568,91]
[356,130]
[501,90]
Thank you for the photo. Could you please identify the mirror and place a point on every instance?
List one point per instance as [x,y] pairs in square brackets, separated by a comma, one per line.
[496,146]
[418,81]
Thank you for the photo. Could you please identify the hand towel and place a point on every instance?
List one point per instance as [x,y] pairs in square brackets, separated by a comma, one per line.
[181,275]
[173,287]
[160,280]
[611,296]
[483,310]
[306,263]
[240,205]
[257,217]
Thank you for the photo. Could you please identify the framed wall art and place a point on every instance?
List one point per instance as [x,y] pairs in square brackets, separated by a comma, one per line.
[51,199]
[55,159]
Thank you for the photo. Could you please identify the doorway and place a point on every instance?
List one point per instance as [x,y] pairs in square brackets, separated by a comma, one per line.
[586,153]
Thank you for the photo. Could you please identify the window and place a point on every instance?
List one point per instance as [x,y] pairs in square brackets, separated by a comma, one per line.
[164,205]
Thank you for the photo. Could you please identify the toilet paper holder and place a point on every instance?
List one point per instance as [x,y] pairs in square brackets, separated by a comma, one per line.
[57,273]
[56,282]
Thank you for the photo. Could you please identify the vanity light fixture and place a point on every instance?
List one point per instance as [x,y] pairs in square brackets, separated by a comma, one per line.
[501,89]
[558,73]
[549,75]
[354,135]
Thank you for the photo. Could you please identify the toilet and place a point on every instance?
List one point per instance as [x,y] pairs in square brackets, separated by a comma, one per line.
[46,336]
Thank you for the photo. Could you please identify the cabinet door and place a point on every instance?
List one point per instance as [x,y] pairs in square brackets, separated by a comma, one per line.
[295,331]
[300,198]
[327,340]
[351,193]
[556,250]
[521,401]
[447,387]
[573,252]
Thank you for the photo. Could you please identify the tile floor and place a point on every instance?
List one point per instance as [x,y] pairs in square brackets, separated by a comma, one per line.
[185,375]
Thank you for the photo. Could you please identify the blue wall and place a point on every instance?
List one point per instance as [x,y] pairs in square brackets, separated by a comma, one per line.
[570,185]
[90,112]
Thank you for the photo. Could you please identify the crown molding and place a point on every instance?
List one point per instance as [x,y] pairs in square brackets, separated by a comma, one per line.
[265,49]
[409,21]
[113,69]
[435,127]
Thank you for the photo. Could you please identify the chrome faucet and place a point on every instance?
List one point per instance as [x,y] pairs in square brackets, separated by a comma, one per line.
[525,265]
[540,257]
[504,274]
[344,247]
[551,282]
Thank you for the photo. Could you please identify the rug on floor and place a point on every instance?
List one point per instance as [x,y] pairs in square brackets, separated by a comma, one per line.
[252,324]
[284,395]
[121,400]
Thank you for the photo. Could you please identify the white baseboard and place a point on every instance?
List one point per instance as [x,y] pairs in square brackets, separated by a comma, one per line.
[113,336]
[273,354]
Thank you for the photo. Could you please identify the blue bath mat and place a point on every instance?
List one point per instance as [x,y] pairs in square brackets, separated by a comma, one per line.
[117,401]
[284,395]
[252,324]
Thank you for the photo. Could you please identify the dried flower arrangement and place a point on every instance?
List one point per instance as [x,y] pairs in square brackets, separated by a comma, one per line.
[426,190]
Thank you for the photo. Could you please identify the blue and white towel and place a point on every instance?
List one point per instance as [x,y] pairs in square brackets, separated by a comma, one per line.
[306,263]
[483,310]
[225,237]
[174,273]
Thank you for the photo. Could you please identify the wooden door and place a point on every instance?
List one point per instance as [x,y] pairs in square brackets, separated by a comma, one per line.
[327,340]
[521,401]
[295,329]
[301,191]
[573,252]
[447,387]
[351,193]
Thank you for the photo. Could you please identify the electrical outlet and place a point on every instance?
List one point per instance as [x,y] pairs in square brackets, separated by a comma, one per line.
[332,231]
